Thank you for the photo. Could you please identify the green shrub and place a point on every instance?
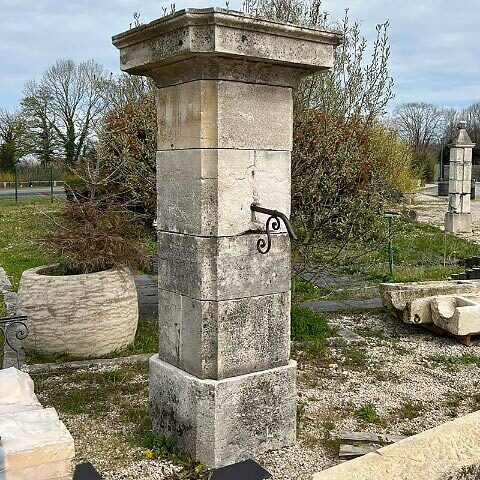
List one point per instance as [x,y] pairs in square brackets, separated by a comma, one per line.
[308,325]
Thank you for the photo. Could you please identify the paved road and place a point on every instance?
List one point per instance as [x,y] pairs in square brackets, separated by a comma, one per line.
[30,192]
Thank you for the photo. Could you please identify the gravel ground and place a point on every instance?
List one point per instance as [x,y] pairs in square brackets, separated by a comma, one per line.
[431,209]
[394,371]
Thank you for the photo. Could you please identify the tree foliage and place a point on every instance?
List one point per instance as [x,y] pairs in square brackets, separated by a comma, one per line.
[65,106]
[12,139]
[346,165]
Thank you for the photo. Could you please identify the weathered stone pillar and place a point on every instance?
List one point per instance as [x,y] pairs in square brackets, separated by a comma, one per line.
[222,381]
[458,217]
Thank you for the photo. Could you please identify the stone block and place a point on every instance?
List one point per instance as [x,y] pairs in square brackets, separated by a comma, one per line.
[225,421]
[458,222]
[214,31]
[222,339]
[222,268]
[457,315]
[16,392]
[426,456]
[397,296]
[224,114]
[33,439]
[208,192]
[234,69]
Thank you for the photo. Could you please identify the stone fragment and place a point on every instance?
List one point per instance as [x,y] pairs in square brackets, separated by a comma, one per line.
[88,315]
[396,296]
[36,445]
[457,315]
[218,421]
[16,392]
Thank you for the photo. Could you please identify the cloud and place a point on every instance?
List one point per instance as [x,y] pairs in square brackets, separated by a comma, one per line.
[433,42]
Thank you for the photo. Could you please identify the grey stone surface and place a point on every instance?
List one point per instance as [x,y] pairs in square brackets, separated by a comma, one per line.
[458,222]
[217,188]
[201,32]
[222,268]
[222,339]
[147,295]
[224,114]
[339,305]
[233,69]
[224,421]
[224,82]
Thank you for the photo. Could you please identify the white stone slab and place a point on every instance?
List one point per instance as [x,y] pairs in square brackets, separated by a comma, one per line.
[425,456]
[34,438]
[16,392]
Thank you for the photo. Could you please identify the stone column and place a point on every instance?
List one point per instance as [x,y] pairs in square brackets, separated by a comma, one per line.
[458,217]
[223,382]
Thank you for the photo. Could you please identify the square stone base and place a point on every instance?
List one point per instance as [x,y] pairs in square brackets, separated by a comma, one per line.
[220,422]
[458,222]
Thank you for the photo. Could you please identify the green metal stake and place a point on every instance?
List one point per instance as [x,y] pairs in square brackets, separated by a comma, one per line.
[15,169]
[390,214]
[390,247]
[51,183]
[440,173]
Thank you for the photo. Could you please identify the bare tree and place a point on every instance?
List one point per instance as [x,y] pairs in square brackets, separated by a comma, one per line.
[421,124]
[72,99]
[12,135]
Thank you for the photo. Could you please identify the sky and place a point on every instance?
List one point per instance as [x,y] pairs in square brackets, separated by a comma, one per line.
[434,58]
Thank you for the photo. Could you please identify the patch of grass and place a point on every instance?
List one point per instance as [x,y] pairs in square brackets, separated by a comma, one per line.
[20,223]
[161,446]
[418,254]
[146,341]
[409,409]
[303,290]
[367,413]
[453,363]
[93,392]
[309,325]
[3,308]
[355,357]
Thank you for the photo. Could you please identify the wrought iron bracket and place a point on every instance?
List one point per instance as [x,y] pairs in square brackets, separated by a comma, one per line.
[273,223]
[21,333]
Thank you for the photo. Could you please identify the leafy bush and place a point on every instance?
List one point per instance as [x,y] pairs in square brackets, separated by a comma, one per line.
[308,325]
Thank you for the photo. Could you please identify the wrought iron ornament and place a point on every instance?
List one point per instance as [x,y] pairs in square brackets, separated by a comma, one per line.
[273,222]
[21,334]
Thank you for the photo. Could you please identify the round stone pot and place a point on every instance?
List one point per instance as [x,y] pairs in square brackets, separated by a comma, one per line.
[86,315]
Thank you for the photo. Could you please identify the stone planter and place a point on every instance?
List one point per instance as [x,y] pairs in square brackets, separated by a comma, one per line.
[86,315]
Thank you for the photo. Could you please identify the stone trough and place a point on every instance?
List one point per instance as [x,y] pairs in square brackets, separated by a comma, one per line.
[451,307]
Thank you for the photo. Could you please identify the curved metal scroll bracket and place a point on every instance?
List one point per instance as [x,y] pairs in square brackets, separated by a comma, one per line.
[21,333]
[273,222]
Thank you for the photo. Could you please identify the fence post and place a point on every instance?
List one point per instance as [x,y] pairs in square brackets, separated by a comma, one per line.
[51,183]
[15,168]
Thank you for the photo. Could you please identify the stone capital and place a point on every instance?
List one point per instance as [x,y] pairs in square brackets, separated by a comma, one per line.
[214,43]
